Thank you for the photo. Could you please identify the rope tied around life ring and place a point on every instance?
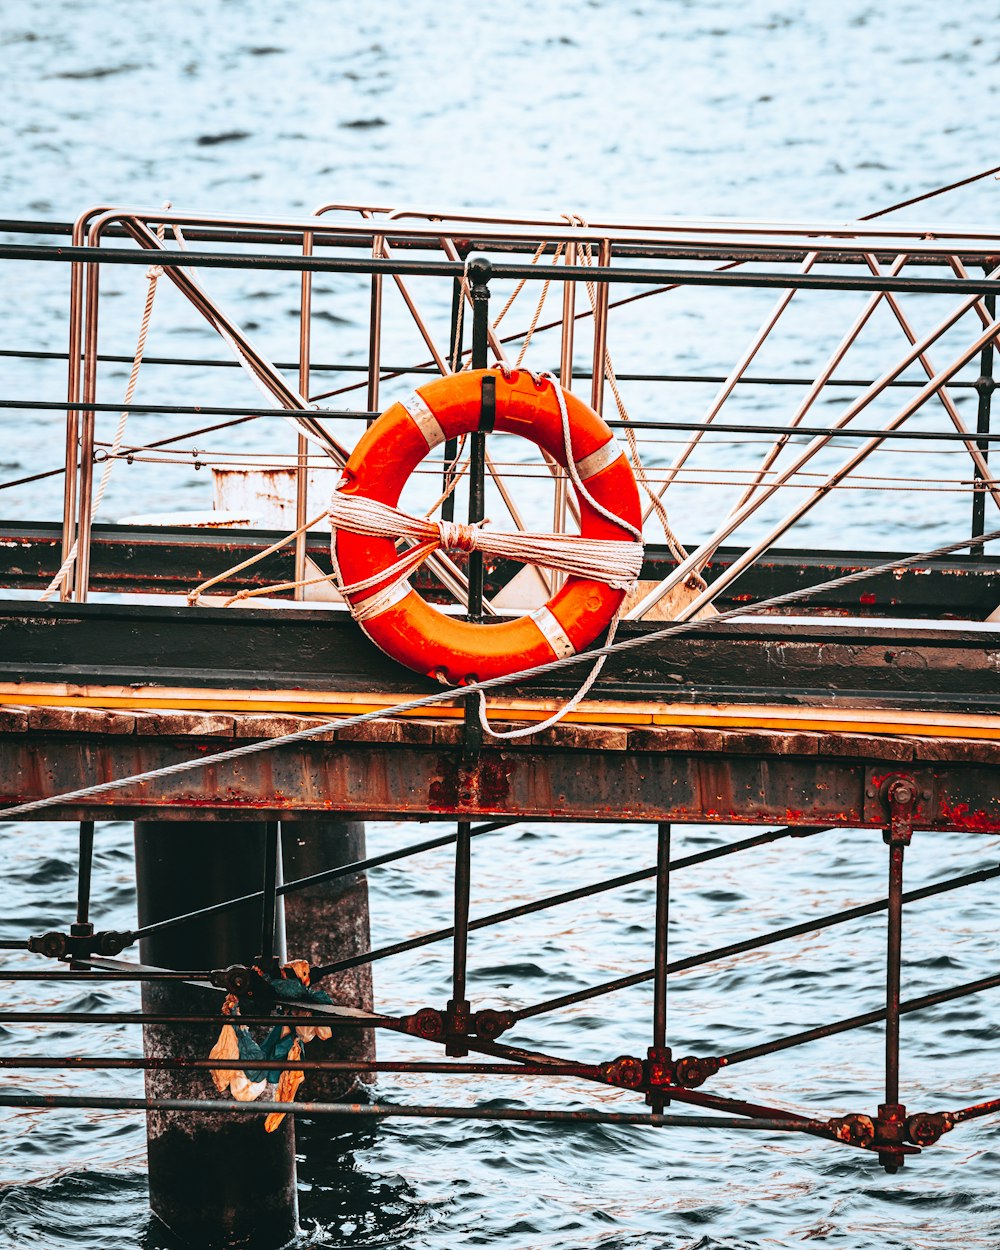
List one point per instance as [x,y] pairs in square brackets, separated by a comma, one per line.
[616,563]
[603,562]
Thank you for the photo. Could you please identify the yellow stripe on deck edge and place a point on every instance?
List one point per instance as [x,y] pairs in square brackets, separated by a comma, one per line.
[872,721]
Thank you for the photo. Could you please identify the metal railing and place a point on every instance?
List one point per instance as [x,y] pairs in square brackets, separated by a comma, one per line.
[882,262]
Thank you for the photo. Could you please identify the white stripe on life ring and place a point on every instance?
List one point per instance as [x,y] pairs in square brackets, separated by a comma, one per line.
[590,466]
[425,420]
[381,601]
[553,632]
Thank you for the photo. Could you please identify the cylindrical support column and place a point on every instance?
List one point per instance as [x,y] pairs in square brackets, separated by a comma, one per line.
[324,923]
[213,1179]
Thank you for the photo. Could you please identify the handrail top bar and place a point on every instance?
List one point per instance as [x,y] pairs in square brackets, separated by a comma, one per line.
[447,268]
[735,225]
[851,237]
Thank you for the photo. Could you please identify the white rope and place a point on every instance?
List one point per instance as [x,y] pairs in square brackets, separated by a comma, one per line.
[615,562]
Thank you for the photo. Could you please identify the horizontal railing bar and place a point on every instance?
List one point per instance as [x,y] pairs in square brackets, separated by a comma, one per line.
[567,896]
[749,944]
[718,427]
[389,371]
[317,878]
[210,410]
[380,1111]
[976,1110]
[451,269]
[705,241]
[140,1063]
[302,1018]
[73,974]
[862,1020]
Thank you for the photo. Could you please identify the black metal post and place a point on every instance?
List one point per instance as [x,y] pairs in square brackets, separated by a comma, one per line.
[83,879]
[83,927]
[459,1006]
[659,1053]
[985,385]
[479,277]
[894,929]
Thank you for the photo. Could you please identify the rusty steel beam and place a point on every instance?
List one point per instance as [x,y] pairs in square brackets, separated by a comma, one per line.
[583,773]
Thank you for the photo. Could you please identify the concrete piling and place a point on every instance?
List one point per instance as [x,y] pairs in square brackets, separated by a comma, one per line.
[214,1180]
[328,922]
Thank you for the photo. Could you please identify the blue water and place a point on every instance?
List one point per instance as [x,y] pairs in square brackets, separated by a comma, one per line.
[790,110]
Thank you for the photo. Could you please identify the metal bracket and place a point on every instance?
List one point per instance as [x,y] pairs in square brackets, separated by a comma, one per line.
[658,1072]
[455,1024]
[248,984]
[899,794]
[80,943]
[883,792]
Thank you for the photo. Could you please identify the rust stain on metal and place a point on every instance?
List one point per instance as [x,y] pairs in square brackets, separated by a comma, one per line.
[962,816]
[443,792]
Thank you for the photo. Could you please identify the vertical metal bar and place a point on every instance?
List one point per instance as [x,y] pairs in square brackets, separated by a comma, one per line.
[375,330]
[985,385]
[479,275]
[83,878]
[455,359]
[459,1008]
[460,946]
[894,929]
[900,796]
[85,499]
[477,510]
[566,382]
[302,447]
[77,280]
[268,903]
[659,1053]
[662,920]
[600,330]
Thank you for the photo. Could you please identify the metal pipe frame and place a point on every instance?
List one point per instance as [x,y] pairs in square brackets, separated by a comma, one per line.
[259,366]
[696,561]
[521,1062]
[735,376]
[302,443]
[600,336]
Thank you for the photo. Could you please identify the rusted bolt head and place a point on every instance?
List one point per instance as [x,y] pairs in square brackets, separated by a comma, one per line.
[490,1024]
[692,1071]
[51,945]
[924,1128]
[902,791]
[856,1130]
[112,942]
[428,1023]
[626,1071]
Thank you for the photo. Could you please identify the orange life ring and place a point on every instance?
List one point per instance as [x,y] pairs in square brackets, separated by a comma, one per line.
[414,632]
